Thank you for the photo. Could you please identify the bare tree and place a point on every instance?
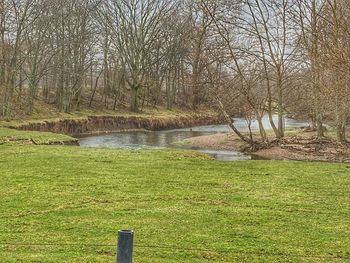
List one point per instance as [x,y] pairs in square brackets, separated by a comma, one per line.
[16,18]
[135,29]
[334,63]
[308,15]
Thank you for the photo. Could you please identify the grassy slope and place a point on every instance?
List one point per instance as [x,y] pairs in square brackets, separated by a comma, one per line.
[44,111]
[52,114]
[220,211]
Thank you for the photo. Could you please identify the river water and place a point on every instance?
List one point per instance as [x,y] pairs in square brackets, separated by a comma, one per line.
[166,139]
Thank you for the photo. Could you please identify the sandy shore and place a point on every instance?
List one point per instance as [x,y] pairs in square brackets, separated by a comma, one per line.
[220,141]
[301,147]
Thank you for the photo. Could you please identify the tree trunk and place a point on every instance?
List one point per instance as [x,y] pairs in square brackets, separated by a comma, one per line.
[319,125]
[341,134]
[232,125]
[280,124]
[262,129]
[134,106]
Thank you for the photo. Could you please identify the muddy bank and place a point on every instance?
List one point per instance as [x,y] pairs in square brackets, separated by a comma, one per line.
[30,141]
[301,147]
[106,124]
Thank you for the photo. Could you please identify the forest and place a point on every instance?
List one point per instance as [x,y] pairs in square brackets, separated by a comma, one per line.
[205,130]
[250,58]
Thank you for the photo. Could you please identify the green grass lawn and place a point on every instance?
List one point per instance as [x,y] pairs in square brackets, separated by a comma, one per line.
[65,204]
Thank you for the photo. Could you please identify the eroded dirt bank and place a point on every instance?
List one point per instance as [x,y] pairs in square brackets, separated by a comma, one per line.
[106,124]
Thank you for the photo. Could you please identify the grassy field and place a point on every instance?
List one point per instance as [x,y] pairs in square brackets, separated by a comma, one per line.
[65,204]
[17,137]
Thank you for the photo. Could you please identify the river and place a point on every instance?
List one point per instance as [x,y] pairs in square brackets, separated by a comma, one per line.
[166,139]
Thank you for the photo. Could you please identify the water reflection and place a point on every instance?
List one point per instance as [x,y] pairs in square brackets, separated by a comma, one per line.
[242,125]
[139,139]
[165,139]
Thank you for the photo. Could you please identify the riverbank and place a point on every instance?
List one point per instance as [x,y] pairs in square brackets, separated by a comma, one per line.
[160,194]
[298,145]
[100,123]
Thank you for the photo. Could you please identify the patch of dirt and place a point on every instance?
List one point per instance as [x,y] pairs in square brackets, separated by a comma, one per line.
[220,141]
[303,147]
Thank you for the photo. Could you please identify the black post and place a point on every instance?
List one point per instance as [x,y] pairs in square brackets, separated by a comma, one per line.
[125,246]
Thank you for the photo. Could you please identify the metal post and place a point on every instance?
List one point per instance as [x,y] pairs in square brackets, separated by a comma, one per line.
[125,246]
